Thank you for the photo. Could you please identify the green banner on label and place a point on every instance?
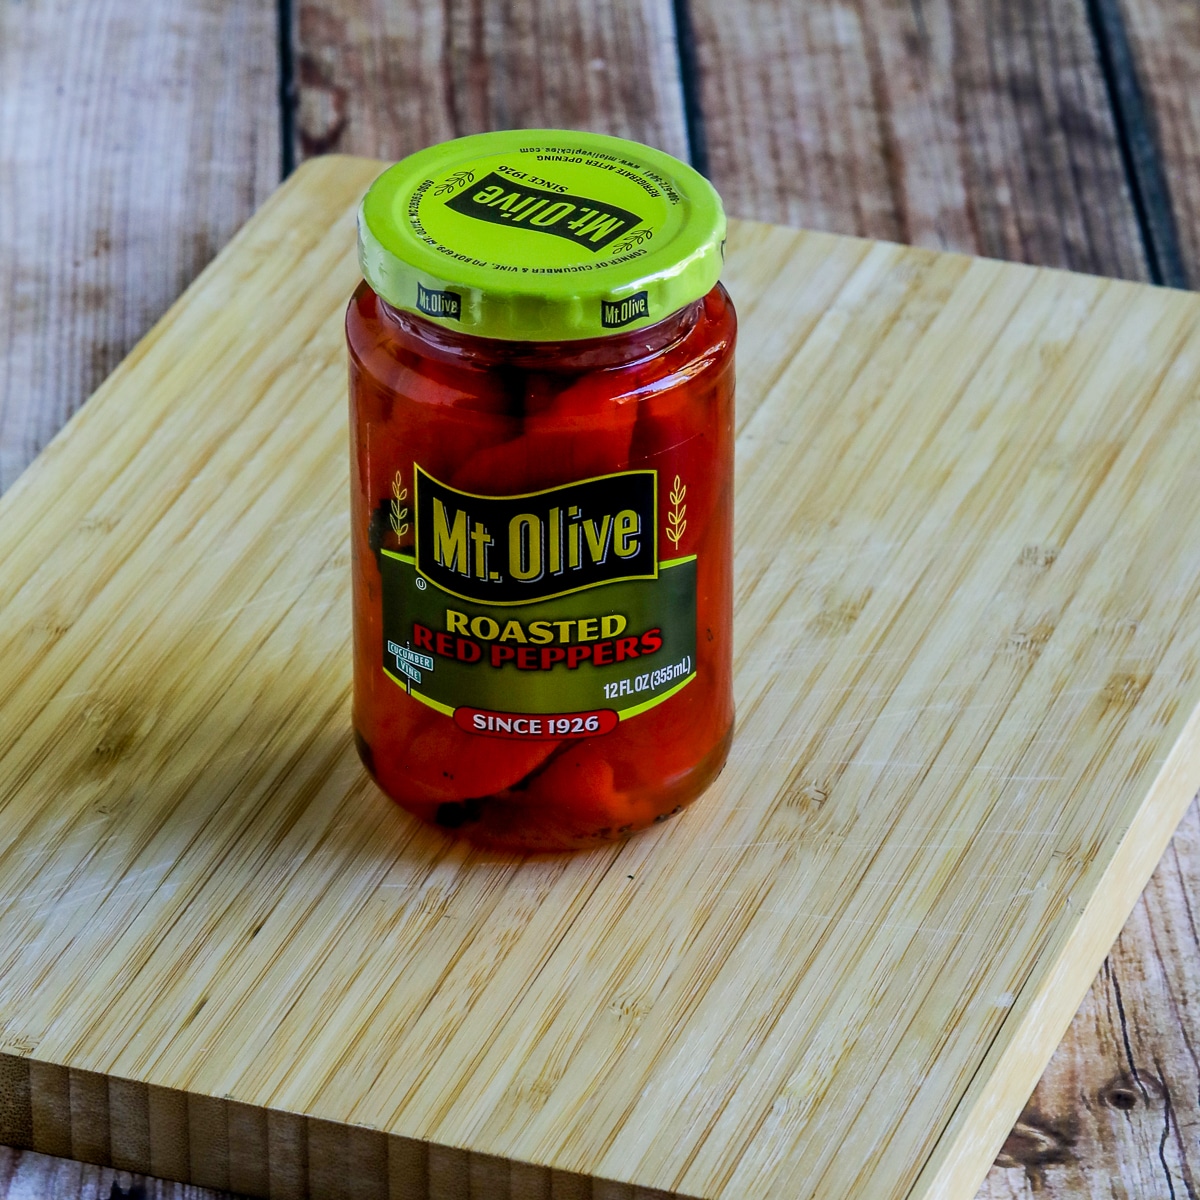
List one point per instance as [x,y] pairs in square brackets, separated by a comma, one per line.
[622,647]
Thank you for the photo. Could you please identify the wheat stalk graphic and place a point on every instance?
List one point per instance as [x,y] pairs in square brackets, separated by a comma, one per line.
[453,183]
[398,517]
[676,523]
[636,238]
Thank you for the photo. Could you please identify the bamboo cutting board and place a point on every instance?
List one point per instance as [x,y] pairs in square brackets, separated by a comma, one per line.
[968,686]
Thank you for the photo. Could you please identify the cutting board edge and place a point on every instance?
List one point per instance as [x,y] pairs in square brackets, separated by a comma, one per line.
[132,1125]
[1046,1005]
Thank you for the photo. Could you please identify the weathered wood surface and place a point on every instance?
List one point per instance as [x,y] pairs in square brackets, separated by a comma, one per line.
[981,126]
[1161,43]
[991,634]
[27,1175]
[135,138]
[381,78]
[980,120]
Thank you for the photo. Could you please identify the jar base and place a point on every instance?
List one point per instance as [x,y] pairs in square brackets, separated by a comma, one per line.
[505,822]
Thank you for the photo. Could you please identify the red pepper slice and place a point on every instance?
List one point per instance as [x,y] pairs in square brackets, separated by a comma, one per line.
[584,430]
[574,800]
[418,748]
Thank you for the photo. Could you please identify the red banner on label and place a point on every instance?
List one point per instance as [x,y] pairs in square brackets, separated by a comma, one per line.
[536,726]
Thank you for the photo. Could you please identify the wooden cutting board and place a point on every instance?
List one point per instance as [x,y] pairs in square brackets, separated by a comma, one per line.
[968,648]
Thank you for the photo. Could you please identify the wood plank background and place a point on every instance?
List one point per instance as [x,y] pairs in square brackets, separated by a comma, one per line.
[137,135]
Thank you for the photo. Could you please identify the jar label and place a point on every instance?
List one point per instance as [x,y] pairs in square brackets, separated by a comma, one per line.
[546,614]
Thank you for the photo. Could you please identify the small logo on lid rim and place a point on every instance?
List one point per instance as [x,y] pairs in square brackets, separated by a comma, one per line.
[615,313]
[439,304]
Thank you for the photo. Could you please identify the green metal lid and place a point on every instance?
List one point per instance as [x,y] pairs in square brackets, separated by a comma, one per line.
[541,235]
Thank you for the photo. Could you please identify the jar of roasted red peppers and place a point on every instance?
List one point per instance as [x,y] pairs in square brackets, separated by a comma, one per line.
[541,403]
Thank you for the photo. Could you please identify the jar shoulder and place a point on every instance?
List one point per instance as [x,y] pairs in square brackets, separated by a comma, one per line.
[392,350]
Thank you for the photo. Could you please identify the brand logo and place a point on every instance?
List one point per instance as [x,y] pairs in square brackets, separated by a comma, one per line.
[589,223]
[615,313]
[439,304]
[517,549]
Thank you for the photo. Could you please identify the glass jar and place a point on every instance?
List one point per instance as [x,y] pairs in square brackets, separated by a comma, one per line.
[542,488]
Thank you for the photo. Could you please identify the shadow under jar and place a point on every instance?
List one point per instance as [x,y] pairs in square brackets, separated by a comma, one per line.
[542,488]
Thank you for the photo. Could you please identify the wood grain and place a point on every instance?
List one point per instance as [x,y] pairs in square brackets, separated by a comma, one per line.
[130,151]
[967,680]
[385,79]
[1164,42]
[981,126]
